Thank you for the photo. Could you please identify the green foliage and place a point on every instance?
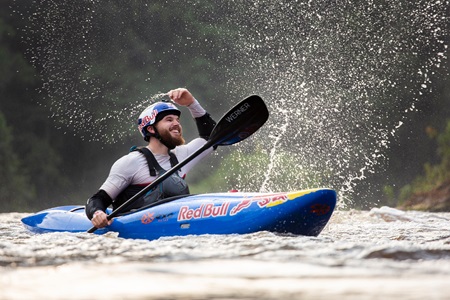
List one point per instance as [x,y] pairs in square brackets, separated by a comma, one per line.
[94,58]
[30,158]
[444,151]
[434,174]
[100,57]
[13,66]
[389,193]
[102,62]
[405,192]
[15,188]
[246,171]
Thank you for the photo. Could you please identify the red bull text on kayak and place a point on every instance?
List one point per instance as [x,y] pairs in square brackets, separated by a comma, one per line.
[204,211]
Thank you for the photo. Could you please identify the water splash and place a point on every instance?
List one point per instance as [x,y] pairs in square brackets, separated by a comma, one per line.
[339,78]
[95,89]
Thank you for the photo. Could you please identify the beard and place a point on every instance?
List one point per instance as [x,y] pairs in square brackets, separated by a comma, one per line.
[169,140]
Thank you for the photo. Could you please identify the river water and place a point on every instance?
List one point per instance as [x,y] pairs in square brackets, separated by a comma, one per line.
[383,253]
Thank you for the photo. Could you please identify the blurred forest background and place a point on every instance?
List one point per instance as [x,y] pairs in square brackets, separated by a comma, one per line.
[53,83]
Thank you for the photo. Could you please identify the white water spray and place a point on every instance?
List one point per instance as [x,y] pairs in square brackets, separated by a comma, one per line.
[331,73]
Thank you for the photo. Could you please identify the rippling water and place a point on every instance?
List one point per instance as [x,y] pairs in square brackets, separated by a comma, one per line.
[379,254]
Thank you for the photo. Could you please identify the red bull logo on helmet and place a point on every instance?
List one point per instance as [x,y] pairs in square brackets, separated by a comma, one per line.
[148,119]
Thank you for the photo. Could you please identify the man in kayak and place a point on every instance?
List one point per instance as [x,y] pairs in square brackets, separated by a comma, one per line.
[160,126]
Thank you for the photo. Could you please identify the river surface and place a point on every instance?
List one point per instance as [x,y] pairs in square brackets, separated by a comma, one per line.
[378,254]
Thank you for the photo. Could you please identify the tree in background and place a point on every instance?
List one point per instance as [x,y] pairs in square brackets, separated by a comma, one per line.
[16,189]
[74,77]
[428,190]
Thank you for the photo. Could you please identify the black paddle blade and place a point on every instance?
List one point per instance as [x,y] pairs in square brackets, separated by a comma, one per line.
[240,122]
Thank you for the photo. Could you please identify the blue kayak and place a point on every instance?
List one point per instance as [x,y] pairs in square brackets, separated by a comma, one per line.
[303,212]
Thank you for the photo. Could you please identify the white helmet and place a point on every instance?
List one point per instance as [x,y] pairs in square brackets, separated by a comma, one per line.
[154,113]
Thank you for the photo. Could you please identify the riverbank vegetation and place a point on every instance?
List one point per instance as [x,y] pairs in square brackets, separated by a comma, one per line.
[430,190]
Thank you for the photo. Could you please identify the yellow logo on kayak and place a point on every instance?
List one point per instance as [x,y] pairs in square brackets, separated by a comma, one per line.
[288,196]
[293,195]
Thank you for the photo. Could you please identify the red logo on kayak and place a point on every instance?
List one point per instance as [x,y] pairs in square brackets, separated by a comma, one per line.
[274,200]
[267,201]
[320,209]
[147,218]
[241,206]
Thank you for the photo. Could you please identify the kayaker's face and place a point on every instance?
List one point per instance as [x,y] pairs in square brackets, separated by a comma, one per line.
[170,130]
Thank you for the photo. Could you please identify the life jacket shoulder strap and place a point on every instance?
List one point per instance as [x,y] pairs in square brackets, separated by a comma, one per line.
[153,165]
[173,159]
